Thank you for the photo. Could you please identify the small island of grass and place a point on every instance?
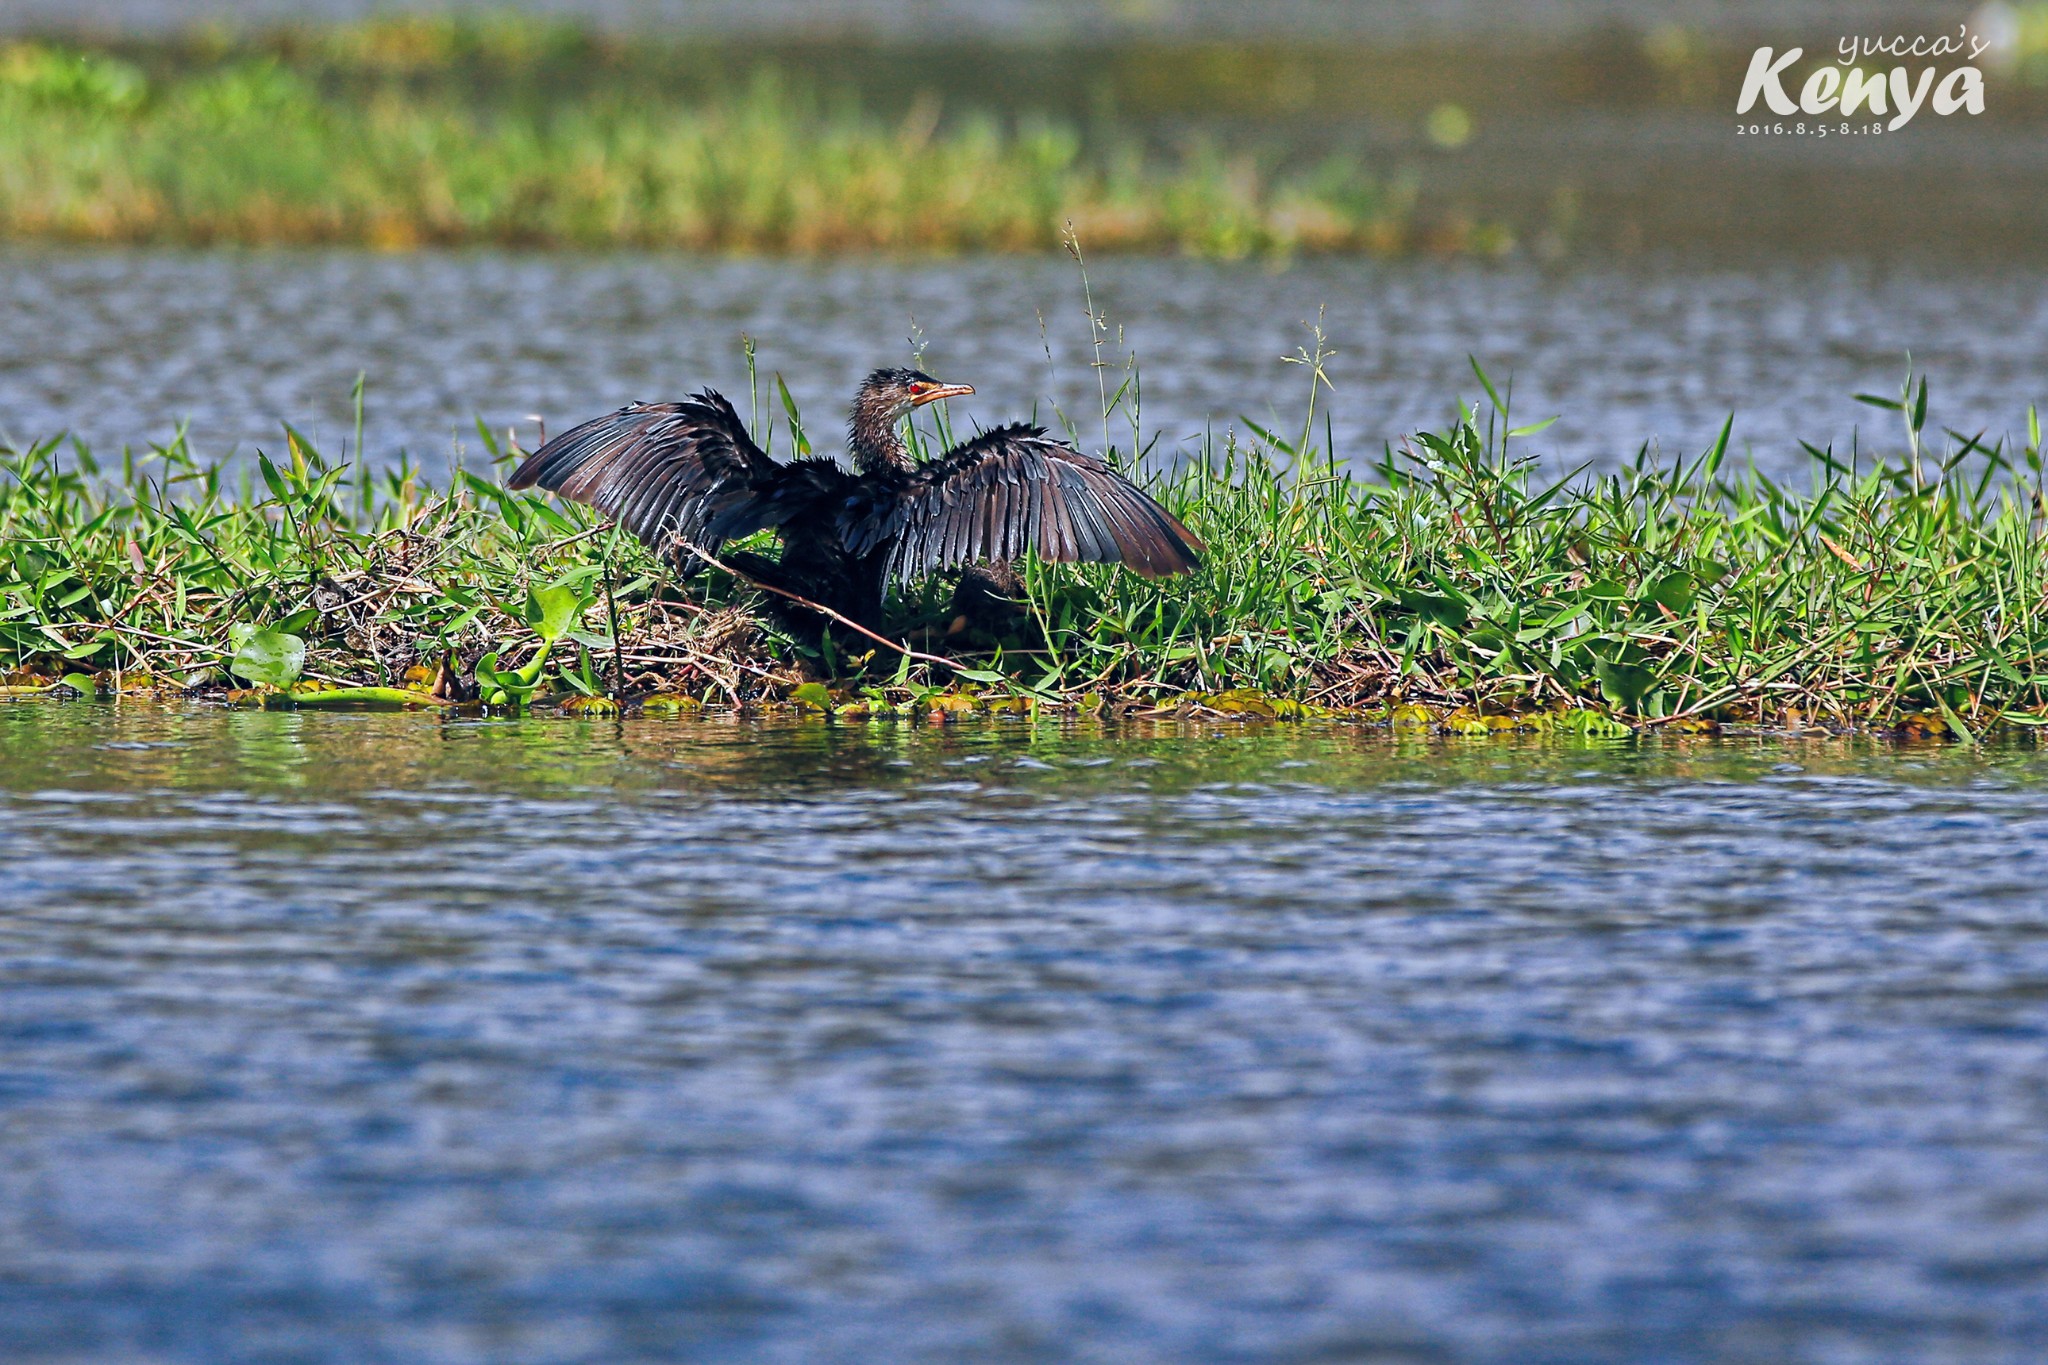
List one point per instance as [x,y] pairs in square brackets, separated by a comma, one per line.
[1454,584]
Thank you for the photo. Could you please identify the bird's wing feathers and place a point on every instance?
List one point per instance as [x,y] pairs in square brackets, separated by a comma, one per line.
[799,487]
[1011,489]
[667,472]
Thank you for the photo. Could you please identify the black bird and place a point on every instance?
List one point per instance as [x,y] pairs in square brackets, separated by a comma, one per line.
[687,477]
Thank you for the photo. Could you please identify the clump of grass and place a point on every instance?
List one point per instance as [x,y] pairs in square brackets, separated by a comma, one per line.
[1901,591]
[355,137]
[1452,583]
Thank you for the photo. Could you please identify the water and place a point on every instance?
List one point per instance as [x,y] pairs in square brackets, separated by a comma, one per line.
[367,1038]
[117,346]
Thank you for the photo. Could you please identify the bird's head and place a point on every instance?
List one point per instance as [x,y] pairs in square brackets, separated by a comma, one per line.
[880,403]
[886,395]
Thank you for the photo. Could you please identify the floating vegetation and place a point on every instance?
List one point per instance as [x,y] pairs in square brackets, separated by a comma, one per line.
[1453,586]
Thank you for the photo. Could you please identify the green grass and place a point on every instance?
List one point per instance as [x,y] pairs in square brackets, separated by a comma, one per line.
[1454,583]
[409,132]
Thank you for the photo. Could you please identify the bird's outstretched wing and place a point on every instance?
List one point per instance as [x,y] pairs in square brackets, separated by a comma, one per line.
[1012,489]
[670,473]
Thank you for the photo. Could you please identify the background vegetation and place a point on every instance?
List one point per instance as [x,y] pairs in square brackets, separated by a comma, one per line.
[508,130]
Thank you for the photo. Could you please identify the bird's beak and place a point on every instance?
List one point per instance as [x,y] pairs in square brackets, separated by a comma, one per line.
[934,394]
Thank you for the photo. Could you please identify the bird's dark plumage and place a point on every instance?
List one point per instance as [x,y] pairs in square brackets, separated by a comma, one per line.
[671,473]
[684,475]
[1010,490]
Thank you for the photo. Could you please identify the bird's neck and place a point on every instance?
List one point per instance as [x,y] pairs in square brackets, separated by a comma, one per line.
[875,445]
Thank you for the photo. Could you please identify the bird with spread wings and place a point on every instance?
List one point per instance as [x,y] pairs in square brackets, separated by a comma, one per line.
[686,477]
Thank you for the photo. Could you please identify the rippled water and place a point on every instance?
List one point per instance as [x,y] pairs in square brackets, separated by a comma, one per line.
[116,346]
[363,1038]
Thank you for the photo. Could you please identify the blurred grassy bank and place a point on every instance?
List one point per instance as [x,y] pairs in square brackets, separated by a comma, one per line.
[517,130]
[521,132]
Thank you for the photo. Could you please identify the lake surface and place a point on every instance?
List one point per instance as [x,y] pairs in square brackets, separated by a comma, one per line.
[390,1038]
[117,346]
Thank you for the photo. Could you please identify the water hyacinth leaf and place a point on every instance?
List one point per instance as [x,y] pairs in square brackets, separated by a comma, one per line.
[80,683]
[551,610]
[1623,684]
[490,678]
[1593,725]
[270,658]
[812,694]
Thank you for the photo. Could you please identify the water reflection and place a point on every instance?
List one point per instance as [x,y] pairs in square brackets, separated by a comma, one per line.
[135,747]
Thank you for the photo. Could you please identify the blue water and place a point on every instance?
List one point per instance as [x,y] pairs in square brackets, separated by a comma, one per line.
[119,347]
[386,1038]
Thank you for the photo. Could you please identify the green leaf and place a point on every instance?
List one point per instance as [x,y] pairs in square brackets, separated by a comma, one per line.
[1709,463]
[980,675]
[1623,684]
[1674,591]
[1593,725]
[1956,726]
[551,610]
[813,694]
[1445,611]
[1486,384]
[80,683]
[796,421]
[271,658]
[368,697]
[271,478]
[1532,428]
